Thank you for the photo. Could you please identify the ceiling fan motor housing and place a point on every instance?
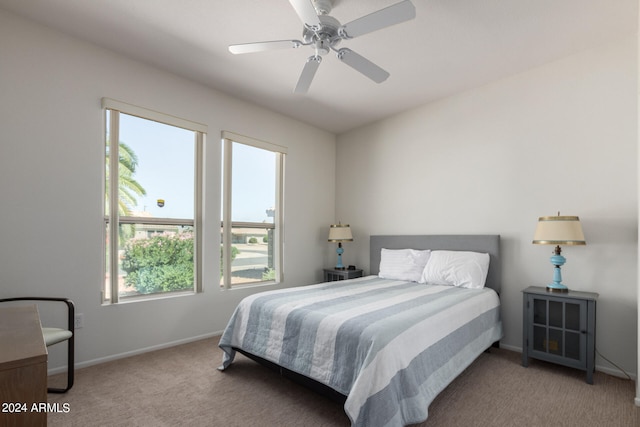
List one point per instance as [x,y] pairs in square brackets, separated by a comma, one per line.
[324,38]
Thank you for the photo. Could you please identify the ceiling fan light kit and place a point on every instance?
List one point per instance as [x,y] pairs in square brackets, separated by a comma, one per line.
[323,33]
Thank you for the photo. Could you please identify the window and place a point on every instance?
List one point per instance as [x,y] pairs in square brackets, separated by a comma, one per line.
[152,203]
[251,211]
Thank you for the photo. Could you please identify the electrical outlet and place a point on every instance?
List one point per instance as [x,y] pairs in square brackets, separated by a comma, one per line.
[79,321]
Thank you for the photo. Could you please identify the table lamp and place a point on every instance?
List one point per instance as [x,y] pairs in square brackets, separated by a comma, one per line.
[558,230]
[340,233]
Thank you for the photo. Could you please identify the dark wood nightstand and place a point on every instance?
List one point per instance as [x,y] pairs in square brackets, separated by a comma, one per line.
[331,274]
[559,327]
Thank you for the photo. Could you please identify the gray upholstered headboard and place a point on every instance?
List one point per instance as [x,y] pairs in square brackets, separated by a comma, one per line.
[487,243]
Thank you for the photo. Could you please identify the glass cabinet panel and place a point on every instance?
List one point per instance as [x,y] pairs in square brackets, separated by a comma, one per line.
[540,311]
[555,345]
[572,314]
[555,314]
[539,338]
[572,348]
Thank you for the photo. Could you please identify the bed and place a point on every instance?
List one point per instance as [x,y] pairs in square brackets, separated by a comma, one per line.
[385,345]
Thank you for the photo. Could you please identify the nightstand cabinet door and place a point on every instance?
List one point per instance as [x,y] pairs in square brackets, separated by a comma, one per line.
[559,328]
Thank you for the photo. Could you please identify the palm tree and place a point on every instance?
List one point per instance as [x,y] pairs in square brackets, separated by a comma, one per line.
[128,187]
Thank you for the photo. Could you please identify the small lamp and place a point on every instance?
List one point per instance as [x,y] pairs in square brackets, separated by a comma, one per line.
[340,233]
[558,230]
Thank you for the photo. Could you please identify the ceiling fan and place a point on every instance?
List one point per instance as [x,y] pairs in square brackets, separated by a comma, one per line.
[323,33]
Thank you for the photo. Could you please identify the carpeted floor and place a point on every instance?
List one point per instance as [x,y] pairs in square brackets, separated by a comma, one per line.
[181,386]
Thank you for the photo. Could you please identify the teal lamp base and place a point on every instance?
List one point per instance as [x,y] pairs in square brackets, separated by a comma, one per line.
[557,260]
[339,251]
[557,287]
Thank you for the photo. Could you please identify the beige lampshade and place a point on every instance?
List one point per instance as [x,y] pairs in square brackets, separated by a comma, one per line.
[559,230]
[340,233]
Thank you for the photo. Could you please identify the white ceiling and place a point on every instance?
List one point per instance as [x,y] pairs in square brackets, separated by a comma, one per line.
[452,45]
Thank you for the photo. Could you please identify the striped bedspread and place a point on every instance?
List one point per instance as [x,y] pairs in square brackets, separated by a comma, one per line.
[389,346]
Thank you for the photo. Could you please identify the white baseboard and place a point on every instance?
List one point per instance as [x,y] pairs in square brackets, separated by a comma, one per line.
[606,369]
[511,348]
[615,372]
[99,360]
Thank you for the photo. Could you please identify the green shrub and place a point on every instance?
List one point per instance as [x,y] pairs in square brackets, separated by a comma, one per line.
[269,274]
[234,252]
[253,240]
[161,263]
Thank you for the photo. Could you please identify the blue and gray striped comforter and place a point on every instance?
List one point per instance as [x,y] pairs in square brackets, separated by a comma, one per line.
[389,346]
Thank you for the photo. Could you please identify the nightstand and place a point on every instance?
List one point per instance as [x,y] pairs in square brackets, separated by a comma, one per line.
[559,327]
[331,274]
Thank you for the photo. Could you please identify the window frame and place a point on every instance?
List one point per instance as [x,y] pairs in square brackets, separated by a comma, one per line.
[227,224]
[114,108]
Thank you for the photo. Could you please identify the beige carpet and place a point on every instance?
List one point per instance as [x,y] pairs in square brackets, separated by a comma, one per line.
[181,386]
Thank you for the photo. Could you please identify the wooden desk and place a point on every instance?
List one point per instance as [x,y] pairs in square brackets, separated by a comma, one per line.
[23,367]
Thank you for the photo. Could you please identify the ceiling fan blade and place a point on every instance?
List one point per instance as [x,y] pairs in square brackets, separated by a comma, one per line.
[394,14]
[363,65]
[308,72]
[263,46]
[306,12]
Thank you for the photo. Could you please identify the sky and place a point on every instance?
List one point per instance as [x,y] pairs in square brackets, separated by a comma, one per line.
[253,189]
[166,171]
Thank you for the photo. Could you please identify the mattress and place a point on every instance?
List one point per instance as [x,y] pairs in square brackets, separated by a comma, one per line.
[389,346]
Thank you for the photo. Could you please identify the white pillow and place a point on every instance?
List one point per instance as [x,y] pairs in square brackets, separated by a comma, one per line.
[457,268]
[402,264]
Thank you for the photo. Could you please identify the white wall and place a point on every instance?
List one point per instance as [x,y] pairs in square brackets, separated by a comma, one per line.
[561,137]
[637,399]
[51,164]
